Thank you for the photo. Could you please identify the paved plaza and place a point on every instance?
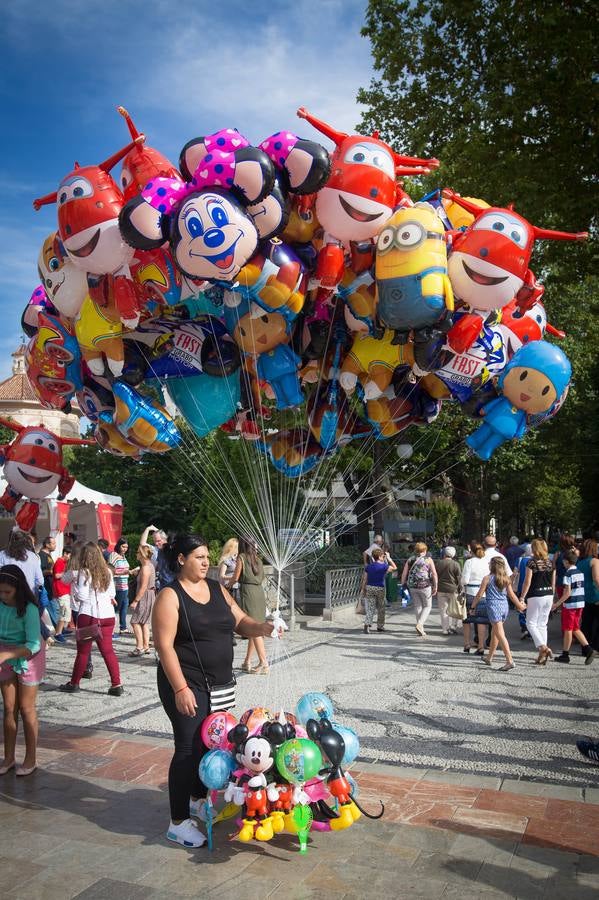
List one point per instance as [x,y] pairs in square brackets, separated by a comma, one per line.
[485,793]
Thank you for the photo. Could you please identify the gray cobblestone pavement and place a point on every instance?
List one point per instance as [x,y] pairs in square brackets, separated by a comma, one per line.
[414,702]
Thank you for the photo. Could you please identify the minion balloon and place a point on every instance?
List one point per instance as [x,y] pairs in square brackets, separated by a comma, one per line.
[413,289]
[533,384]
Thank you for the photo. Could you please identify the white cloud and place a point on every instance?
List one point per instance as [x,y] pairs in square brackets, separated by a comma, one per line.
[256,81]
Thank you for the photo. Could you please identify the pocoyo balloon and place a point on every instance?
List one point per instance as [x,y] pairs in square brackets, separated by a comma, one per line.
[532,383]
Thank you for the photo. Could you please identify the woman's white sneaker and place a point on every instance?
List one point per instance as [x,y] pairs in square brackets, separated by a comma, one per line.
[186,833]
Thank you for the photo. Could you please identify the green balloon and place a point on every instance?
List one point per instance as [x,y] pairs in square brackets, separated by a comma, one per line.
[299,760]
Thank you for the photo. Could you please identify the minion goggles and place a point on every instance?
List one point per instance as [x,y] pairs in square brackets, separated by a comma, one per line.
[407,237]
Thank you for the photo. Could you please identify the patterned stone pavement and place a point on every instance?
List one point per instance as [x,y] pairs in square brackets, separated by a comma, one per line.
[90,824]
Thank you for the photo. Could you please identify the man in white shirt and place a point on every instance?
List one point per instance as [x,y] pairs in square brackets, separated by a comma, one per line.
[491,551]
[377,544]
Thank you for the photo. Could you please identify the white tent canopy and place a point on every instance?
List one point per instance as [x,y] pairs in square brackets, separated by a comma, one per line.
[83,516]
[82,494]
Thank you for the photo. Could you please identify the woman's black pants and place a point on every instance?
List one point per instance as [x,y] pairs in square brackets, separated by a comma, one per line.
[183,776]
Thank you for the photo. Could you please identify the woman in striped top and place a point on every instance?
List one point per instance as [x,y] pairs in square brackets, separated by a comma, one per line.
[22,665]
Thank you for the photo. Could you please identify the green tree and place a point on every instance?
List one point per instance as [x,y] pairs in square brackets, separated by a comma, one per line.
[505,95]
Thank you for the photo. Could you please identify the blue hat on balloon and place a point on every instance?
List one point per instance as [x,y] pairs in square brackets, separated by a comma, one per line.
[545,358]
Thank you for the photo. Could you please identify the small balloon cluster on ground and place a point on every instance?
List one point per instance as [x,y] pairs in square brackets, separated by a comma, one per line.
[283,772]
[282,276]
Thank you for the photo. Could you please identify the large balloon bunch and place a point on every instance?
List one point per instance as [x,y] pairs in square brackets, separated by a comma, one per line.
[279,276]
[281,773]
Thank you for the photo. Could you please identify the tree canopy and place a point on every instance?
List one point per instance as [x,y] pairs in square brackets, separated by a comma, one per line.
[505,95]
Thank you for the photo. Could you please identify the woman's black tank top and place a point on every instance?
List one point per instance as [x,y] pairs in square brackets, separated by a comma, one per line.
[212,627]
[540,584]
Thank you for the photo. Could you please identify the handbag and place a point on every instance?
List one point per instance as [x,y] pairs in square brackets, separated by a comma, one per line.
[92,631]
[456,608]
[222,696]
[360,607]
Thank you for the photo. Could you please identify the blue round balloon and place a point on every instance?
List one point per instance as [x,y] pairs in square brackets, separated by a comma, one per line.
[313,706]
[351,741]
[216,768]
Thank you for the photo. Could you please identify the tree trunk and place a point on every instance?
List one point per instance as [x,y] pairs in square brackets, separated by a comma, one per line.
[466,499]
[362,504]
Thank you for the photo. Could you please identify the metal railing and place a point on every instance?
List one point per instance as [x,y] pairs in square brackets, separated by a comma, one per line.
[342,588]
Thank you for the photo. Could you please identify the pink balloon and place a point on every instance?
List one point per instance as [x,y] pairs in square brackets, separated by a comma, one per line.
[215,729]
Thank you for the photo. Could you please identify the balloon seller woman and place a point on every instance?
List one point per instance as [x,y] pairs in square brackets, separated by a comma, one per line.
[193,623]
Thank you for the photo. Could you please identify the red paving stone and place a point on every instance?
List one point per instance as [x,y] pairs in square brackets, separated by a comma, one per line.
[561,836]
[502,801]
[567,825]
[490,823]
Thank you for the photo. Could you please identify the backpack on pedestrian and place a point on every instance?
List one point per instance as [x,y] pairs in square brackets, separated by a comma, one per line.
[419,576]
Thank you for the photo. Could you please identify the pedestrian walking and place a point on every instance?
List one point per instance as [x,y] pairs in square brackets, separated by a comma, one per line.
[249,574]
[193,622]
[572,604]
[518,576]
[18,552]
[420,577]
[373,588]
[588,564]
[377,544]
[22,666]
[62,595]
[449,577]
[496,589]
[73,566]
[159,548]
[538,591]
[47,563]
[227,565]
[491,552]
[566,543]
[143,602]
[95,595]
[120,569]
[476,568]
[514,552]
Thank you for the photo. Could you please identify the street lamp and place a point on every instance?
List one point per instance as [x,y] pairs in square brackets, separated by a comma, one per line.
[493,523]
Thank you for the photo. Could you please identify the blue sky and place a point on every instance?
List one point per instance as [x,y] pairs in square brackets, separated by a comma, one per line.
[180,70]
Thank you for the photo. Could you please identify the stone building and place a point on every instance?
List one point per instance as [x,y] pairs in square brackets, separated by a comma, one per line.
[19,402]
